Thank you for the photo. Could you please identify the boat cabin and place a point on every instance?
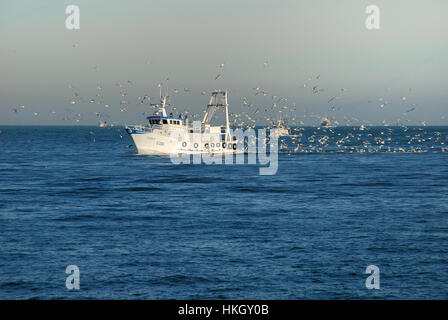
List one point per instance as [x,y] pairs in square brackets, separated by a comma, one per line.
[165,120]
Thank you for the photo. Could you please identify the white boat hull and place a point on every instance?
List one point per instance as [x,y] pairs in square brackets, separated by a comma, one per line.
[154,143]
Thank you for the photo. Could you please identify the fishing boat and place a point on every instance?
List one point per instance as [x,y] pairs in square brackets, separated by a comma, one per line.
[281,129]
[167,134]
[325,122]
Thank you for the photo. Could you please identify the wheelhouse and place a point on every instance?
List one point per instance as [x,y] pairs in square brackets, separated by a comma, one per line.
[165,120]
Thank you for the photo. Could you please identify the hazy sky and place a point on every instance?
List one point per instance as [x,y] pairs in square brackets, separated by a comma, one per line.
[42,64]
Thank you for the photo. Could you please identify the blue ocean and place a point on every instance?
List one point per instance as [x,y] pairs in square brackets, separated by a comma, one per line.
[141,227]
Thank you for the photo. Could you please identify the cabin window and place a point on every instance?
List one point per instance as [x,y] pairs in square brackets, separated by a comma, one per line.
[165,121]
[171,121]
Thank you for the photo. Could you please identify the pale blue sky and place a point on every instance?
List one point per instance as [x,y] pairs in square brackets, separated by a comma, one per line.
[148,41]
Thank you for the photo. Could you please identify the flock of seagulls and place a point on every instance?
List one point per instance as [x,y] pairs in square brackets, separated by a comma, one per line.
[263,106]
[364,140]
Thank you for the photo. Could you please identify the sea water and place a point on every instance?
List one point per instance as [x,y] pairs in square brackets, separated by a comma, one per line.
[140,227]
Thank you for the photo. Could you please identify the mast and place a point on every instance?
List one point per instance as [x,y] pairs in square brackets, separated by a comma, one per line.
[163,101]
[163,106]
[227,138]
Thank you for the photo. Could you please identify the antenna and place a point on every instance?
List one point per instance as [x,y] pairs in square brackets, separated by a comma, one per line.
[159,85]
[167,79]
